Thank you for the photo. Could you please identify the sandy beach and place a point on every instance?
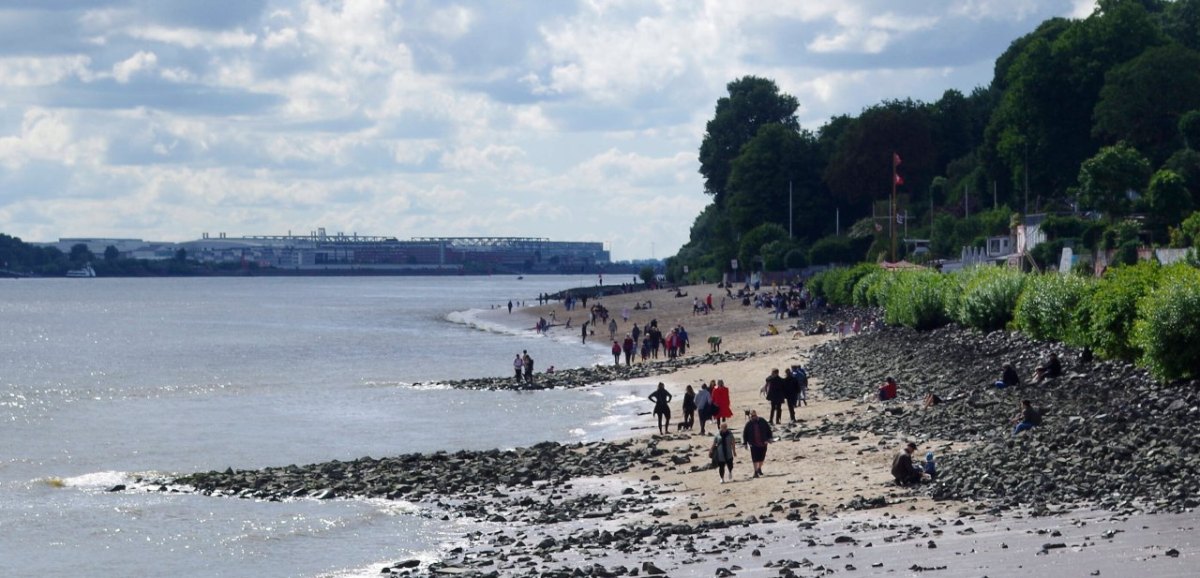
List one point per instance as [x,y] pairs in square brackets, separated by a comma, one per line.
[803,525]
[648,503]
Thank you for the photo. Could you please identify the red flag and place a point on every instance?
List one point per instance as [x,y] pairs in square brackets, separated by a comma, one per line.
[899,180]
[895,160]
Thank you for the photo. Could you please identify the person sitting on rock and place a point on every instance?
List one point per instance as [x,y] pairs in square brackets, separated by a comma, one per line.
[1008,377]
[1051,369]
[903,469]
[932,399]
[888,390]
[1027,419]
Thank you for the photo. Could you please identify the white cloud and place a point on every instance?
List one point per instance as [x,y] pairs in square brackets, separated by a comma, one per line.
[48,135]
[580,121]
[125,69]
[193,37]
[29,71]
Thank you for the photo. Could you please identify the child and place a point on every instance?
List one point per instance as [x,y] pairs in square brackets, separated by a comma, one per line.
[930,466]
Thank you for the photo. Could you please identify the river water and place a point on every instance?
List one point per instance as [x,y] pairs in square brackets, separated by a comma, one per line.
[104,380]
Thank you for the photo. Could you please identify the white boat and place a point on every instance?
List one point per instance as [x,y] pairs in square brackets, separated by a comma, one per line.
[86,271]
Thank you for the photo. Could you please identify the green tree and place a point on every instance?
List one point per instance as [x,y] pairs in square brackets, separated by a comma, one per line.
[1143,100]
[860,169]
[111,254]
[750,249]
[752,103]
[80,254]
[776,161]
[1052,85]
[1106,179]
[1189,129]
[1168,198]
[646,274]
[1182,22]
[181,255]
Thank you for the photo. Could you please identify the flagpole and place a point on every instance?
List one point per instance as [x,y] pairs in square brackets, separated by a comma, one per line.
[892,220]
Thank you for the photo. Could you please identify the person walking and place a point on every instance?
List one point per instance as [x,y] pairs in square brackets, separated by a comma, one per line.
[756,436]
[720,398]
[689,409]
[627,348]
[662,408]
[704,405]
[791,392]
[518,366]
[616,351]
[612,328]
[774,390]
[723,451]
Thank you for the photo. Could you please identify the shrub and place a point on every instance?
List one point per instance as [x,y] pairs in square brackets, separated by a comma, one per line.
[1168,325]
[988,297]
[917,299]
[1048,306]
[1112,309]
[871,290]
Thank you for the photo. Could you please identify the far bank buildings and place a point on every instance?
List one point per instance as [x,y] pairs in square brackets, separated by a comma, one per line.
[320,251]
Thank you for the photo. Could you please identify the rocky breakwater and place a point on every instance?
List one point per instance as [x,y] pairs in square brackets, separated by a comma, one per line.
[582,376]
[527,484]
[1111,435]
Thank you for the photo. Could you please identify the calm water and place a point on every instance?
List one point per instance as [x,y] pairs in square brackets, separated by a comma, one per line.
[105,379]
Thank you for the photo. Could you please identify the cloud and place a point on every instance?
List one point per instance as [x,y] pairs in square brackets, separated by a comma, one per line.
[569,120]
[143,60]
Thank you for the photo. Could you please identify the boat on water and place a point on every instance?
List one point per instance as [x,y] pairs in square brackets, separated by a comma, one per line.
[519,277]
[85,271]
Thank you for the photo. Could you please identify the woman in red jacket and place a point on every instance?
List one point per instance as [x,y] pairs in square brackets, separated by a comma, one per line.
[720,397]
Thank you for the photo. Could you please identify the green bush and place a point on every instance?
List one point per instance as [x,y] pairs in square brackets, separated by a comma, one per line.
[1168,325]
[988,297]
[1112,309]
[917,299]
[837,285]
[1048,309]
[872,289]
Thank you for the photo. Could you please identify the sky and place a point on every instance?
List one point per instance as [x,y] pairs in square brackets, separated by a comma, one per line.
[560,119]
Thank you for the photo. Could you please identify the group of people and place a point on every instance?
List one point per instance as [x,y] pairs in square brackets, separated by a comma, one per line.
[710,403]
[756,435]
[523,367]
[790,388]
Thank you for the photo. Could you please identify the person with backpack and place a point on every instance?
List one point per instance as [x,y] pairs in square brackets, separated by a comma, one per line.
[801,376]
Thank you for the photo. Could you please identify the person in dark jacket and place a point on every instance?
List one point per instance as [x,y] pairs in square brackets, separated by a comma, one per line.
[1027,419]
[689,409]
[756,436]
[775,391]
[791,392]
[1051,369]
[1008,377]
[903,468]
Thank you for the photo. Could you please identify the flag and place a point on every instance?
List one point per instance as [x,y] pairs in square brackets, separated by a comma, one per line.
[899,180]
[895,160]
[899,219]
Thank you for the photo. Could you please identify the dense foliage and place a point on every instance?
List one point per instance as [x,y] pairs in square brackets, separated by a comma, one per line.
[1099,113]
[1167,329]
[1048,309]
[1143,312]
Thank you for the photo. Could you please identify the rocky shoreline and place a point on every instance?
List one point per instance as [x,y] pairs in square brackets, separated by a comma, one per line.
[584,376]
[1112,436]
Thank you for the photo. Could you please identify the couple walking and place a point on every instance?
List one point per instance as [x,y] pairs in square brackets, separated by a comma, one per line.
[756,435]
